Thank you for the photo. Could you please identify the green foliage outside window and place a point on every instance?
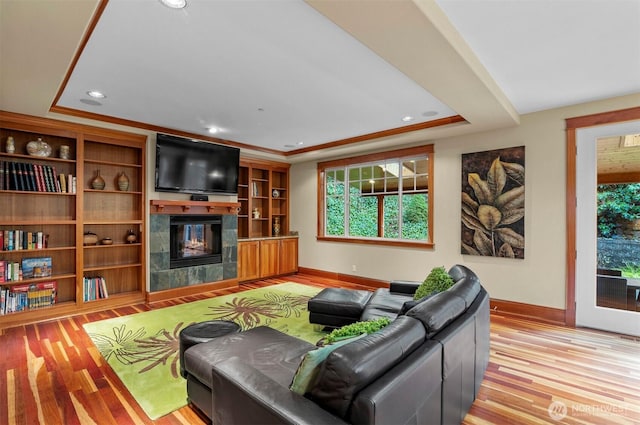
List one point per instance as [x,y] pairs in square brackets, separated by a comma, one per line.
[363,213]
[617,204]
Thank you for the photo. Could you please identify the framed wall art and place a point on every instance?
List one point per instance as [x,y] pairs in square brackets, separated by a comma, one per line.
[493,203]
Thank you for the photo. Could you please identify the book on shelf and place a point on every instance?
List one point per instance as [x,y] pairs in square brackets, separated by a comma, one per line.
[94,288]
[33,268]
[11,271]
[31,177]
[15,240]
[28,296]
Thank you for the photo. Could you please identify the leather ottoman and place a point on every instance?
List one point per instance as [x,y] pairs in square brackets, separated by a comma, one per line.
[335,307]
[198,333]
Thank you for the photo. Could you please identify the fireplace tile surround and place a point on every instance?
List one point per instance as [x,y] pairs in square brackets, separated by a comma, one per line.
[164,278]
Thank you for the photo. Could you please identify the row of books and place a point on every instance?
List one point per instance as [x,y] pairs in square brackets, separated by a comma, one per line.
[95,288]
[28,297]
[17,240]
[34,178]
[28,268]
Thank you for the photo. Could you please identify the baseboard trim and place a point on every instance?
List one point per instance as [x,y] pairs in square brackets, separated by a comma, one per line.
[359,280]
[538,313]
[186,291]
[506,308]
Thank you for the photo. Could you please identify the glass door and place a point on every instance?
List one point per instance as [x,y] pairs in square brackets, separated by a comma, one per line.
[603,301]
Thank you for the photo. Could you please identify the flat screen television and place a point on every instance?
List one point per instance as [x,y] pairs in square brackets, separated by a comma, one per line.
[192,166]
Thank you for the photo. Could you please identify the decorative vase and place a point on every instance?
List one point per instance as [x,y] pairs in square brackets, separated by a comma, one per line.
[11,146]
[123,182]
[276,226]
[106,241]
[131,236]
[275,193]
[98,182]
[38,148]
[90,238]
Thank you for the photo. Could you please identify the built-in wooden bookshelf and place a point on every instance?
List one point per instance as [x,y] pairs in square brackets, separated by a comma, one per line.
[263,186]
[263,251]
[66,216]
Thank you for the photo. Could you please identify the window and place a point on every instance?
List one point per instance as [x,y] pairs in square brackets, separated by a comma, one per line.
[382,198]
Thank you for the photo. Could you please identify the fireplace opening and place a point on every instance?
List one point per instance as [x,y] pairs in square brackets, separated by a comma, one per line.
[195,240]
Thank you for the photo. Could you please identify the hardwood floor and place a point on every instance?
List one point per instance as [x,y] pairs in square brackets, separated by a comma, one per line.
[49,376]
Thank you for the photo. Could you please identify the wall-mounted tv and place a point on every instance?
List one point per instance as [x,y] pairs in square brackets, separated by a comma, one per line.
[193,166]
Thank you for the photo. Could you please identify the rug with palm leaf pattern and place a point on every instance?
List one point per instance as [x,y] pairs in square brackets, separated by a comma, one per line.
[143,348]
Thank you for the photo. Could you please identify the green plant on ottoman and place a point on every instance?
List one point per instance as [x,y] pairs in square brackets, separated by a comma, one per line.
[438,280]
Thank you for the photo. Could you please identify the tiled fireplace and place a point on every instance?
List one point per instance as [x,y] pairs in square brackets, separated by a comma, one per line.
[189,266]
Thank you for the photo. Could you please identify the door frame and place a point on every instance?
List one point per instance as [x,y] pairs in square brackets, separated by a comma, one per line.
[572,126]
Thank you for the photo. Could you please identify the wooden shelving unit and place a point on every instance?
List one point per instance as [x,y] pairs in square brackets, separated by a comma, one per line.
[262,186]
[65,217]
[262,253]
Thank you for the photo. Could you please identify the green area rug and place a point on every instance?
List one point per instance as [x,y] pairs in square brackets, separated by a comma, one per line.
[143,348]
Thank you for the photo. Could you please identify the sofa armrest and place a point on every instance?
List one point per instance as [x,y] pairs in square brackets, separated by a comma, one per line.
[242,394]
[407,287]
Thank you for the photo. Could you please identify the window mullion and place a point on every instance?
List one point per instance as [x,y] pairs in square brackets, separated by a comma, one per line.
[347,200]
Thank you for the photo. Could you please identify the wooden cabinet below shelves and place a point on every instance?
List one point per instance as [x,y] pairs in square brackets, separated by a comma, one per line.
[248,260]
[268,257]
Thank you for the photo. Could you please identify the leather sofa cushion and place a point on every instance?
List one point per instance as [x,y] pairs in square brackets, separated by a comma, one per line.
[383,304]
[467,288]
[438,311]
[274,353]
[352,367]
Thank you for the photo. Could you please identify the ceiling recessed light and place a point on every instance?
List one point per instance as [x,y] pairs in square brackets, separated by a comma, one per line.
[212,130]
[96,94]
[429,113]
[407,118]
[174,4]
[300,143]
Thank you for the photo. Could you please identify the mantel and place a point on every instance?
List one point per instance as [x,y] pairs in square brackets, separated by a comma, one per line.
[160,206]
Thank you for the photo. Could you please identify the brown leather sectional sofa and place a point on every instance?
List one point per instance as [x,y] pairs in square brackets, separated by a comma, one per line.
[424,368]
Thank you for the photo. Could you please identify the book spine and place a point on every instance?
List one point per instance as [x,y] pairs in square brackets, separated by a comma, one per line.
[32,178]
[14,176]
[54,178]
[63,183]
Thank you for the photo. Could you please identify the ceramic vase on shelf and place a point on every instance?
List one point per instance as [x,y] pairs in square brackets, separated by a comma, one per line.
[276,226]
[11,147]
[98,182]
[131,236]
[123,182]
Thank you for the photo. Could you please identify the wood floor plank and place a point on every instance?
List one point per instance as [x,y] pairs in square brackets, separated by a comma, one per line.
[53,374]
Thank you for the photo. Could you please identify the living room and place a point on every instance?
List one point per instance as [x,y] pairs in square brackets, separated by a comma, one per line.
[541,286]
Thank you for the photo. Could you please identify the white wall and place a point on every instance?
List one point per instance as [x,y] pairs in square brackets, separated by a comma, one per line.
[538,279]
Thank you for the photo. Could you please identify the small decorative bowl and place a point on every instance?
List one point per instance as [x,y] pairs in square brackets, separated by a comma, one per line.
[106,241]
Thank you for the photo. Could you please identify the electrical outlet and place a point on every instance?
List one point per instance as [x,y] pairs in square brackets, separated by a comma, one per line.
[354,268]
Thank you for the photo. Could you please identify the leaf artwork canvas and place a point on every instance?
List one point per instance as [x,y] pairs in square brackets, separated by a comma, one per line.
[493,203]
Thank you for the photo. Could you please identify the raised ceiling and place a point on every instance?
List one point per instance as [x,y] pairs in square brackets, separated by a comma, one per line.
[287,76]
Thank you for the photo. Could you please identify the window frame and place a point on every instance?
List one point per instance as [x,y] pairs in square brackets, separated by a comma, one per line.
[369,158]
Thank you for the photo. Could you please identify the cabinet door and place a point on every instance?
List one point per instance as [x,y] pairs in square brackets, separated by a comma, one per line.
[288,256]
[269,257]
[248,260]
